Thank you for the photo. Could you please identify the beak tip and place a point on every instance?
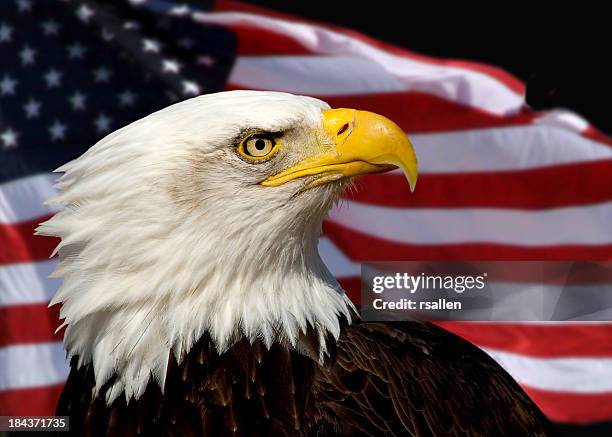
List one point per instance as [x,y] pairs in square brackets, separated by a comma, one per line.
[411,176]
[412,185]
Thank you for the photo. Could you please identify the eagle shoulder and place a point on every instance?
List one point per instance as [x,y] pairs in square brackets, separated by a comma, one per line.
[411,378]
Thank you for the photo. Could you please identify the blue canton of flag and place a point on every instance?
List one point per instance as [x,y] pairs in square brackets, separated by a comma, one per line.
[71,72]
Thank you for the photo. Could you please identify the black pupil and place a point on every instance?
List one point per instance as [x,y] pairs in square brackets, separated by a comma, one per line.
[260,144]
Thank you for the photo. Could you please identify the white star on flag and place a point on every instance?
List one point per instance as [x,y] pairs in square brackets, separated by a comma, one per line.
[191,88]
[150,45]
[5,32]
[185,43]
[102,123]
[76,51]
[107,35]
[102,74]
[57,130]
[179,10]
[27,55]
[127,98]
[50,27]
[77,100]
[32,108]
[170,66]
[24,5]
[7,85]
[53,78]
[131,25]
[9,138]
[206,61]
[84,13]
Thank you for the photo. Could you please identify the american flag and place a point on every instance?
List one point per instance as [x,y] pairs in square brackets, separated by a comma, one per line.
[498,179]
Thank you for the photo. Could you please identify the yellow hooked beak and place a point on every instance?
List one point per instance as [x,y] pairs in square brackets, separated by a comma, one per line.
[364,143]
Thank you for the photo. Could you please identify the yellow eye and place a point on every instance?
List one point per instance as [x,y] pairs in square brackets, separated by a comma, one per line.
[257,147]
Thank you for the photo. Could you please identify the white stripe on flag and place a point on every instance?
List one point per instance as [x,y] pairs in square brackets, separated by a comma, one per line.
[507,148]
[313,75]
[30,365]
[336,261]
[572,225]
[573,375]
[22,199]
[27,283]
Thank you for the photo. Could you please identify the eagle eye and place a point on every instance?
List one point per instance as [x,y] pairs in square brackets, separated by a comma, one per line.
[257,147]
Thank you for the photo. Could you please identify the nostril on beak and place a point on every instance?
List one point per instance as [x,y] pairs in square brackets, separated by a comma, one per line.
[343,129]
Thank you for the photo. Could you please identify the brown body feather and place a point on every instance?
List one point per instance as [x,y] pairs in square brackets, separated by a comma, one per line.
[382,379]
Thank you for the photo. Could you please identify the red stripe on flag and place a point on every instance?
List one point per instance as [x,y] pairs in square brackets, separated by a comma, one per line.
[235,6]
[19,244]
[252,40]
[594,134]
[34,323]
[33,401]
[583,183]
[572,407]
[352,287]
[418,112]
[550,340]
[364,247]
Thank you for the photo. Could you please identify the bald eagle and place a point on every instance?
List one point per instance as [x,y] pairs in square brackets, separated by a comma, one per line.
[195,302]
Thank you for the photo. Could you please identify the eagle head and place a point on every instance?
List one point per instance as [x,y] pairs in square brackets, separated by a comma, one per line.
[202,218]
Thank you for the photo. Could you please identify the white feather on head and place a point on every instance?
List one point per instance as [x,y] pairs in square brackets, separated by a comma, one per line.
[166,234]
